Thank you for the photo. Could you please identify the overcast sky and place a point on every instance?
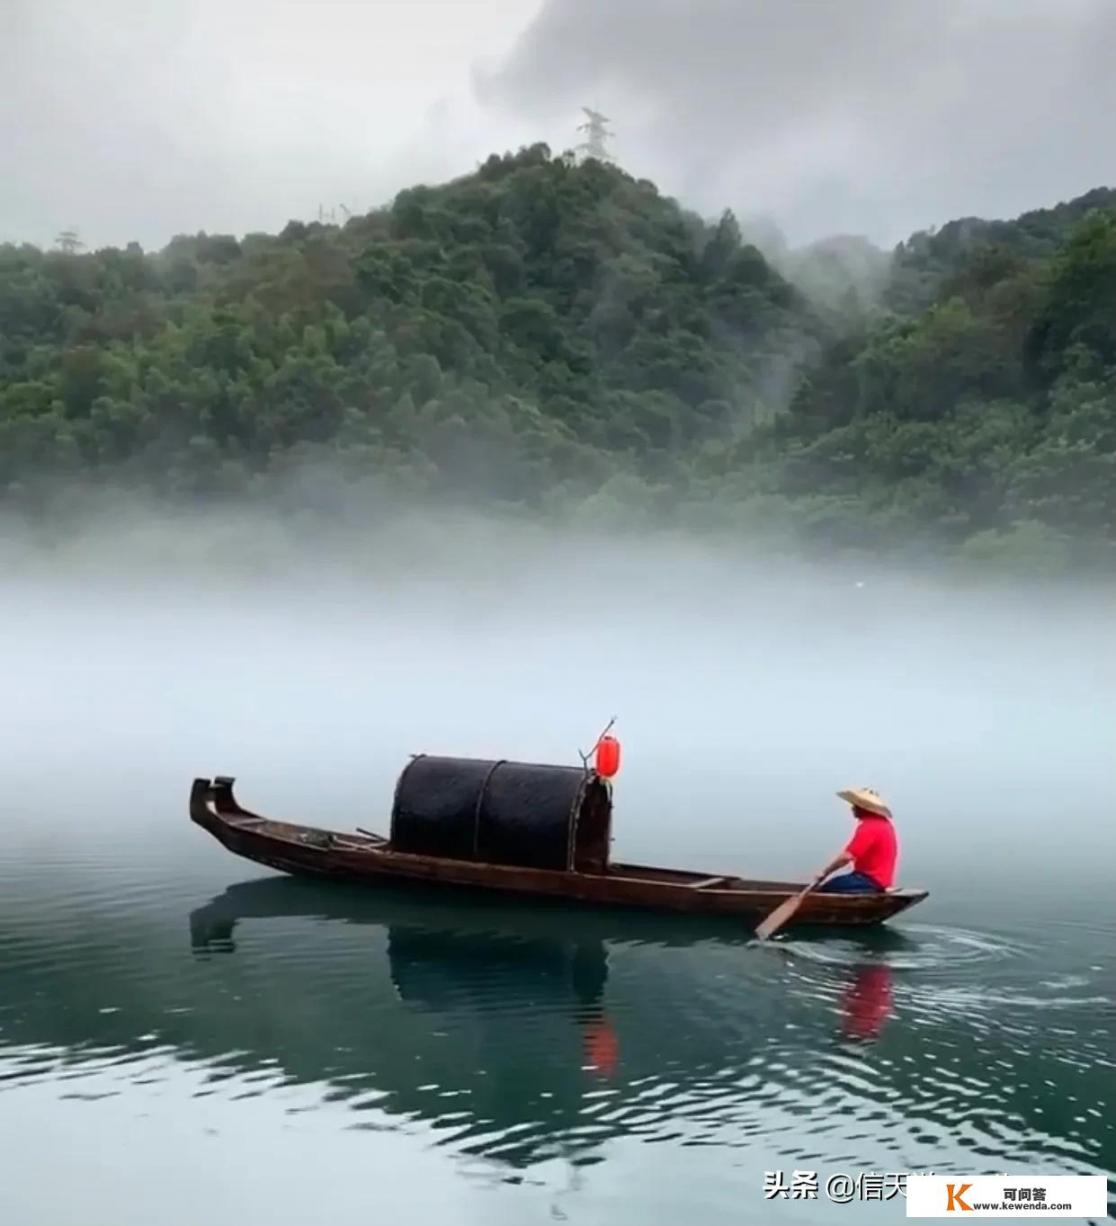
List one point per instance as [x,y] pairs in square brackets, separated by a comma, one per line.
[864,116]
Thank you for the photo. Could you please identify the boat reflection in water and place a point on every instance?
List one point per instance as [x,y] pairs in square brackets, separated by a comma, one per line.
[507,1028]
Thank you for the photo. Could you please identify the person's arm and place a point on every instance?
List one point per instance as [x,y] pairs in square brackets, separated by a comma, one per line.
[857,845]
[839,861]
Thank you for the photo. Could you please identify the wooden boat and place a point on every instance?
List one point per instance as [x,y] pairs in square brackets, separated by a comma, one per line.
[514,827]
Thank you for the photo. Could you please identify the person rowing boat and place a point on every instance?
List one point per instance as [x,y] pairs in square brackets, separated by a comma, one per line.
[872,851]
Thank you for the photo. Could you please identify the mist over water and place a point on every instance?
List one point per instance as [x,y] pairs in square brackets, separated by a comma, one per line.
[748,688]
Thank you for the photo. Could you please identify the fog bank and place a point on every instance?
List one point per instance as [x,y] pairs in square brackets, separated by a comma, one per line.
[747,688]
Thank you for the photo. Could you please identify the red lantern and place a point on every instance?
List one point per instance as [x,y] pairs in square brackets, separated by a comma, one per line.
[608,757]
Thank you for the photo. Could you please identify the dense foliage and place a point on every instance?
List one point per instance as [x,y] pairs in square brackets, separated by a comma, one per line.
[986,417]
[557,336]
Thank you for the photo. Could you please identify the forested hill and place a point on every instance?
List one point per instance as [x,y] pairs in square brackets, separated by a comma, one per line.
[522,334]
[563,339]
[986,418]
[932,261]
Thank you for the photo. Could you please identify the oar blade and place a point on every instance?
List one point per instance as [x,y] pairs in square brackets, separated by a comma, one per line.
[779,916]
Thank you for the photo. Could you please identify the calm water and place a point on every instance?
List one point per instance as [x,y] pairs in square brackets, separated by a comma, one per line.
[186,1037]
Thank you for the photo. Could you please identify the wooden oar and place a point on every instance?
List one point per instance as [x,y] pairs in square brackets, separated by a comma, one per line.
[784,911]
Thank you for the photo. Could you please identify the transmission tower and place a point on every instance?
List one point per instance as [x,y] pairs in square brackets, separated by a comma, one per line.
[596,134]
[68,242]
[328,216]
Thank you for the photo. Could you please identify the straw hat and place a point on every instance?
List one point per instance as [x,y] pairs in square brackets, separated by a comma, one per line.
[866,798]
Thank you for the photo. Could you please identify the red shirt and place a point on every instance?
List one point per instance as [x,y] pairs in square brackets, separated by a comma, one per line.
[874,850]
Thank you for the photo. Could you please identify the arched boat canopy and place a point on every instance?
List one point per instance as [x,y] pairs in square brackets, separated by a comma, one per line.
[499,812]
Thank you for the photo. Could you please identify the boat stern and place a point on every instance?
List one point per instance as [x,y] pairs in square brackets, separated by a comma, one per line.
[201,791]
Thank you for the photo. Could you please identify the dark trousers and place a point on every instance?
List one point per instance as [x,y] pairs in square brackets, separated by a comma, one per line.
[851,883]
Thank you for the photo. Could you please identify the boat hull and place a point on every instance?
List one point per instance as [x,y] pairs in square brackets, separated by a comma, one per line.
[311,851]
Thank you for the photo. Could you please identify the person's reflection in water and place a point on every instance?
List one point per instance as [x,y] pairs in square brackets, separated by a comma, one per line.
[602,1049]
[866,1003]
[590,973]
